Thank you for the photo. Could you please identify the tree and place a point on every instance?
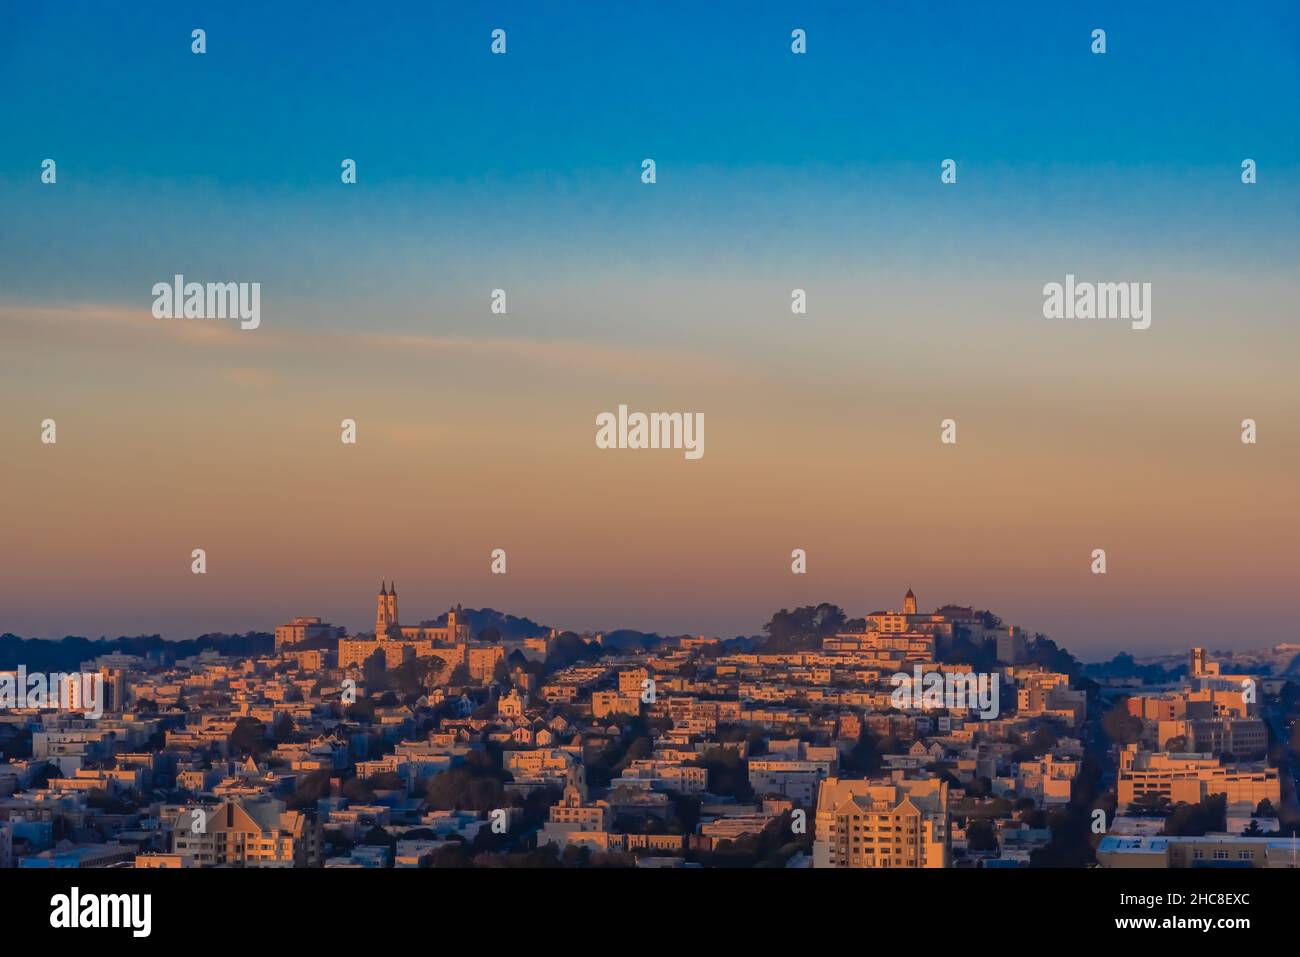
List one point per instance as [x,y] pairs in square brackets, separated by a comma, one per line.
[980,836]
[727,773]
[284,729]
[101,800]
[454,854]
[378,837]
[864,758]
[1195,820]
[386,781]
[476,785]
[249,736]
[311,789]
[1040,742]
[1120,726]
[803,627]
[361,710]
[1150,805]
[1043,651]
[1070,845]
[358,791]
[574,855]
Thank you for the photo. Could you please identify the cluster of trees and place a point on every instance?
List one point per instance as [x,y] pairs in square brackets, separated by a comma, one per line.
[980,836]
[728,774]
[101,800]
[251,736]
[461,855]
[803,628]
[311,788]
[492,625]
[1039,743]
[478,784]
[67,654]
[1073,842]
[772,848]
[569,649]
[1125,665]
[1194,820]
[865,757]
[1042,650]
[982,656]
[1120,726]
[609,761]
[15,743]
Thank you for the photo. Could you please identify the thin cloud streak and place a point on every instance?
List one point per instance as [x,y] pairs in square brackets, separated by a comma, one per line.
[73,327]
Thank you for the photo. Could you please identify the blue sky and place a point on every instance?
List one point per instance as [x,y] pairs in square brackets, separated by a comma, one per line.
[831,159]
[413,90]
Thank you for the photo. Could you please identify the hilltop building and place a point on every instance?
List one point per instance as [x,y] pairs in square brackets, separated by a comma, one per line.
[399,644]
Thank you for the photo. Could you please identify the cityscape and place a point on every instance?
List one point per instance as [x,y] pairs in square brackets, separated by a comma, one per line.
[903,739]
[708,442]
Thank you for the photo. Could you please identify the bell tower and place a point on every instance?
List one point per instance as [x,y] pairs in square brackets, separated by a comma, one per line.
[385,612]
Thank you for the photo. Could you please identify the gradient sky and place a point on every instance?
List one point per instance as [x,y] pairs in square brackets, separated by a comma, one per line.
[774,171]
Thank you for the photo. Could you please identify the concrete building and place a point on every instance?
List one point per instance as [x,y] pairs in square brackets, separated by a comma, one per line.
[247,834]
[882,824]
[1190,778]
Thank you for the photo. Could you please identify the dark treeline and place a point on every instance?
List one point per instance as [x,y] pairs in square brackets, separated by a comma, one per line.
[68,653]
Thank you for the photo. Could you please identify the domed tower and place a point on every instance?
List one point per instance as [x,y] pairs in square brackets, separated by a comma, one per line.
[909,603]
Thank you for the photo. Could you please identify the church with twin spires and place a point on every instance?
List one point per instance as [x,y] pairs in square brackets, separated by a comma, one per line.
[400,644]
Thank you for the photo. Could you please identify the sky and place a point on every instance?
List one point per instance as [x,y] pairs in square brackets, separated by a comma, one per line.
[775,171]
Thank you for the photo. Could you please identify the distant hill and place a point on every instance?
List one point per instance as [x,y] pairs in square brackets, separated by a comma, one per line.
[1283,659]
[628,639]
[1125,665]
[68,653]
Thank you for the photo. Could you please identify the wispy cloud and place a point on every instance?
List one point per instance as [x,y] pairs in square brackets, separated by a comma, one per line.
[93,328]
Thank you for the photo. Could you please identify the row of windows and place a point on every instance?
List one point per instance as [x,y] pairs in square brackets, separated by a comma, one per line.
[1222,855]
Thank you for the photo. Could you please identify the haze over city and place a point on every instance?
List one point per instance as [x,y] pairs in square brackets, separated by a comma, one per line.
[475,430]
